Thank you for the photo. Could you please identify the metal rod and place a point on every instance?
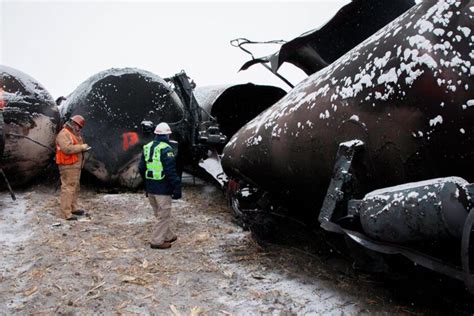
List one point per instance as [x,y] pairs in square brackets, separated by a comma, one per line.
[30,139]
[8,185]
[278,75]
[240,42]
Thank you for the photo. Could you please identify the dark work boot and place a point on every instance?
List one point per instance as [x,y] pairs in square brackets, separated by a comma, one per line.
[79,212]
[172,239]
[164,245]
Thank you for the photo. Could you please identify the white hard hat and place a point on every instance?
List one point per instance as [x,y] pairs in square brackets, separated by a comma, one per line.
[162,129]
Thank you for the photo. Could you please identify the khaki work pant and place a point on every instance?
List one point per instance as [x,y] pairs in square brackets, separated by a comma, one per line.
[70,185]
[161,205]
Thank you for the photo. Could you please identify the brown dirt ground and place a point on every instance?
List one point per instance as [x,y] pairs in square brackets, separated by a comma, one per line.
[104,265]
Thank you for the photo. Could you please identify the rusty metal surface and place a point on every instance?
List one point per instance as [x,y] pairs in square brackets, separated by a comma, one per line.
[30,117]
[405,92]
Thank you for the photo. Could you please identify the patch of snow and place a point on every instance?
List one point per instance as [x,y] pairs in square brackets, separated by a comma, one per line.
[424,26]
[420,42]
[412,195]
[390,76]
[465,30]
[438,31]
[382,62]
[437,120]
[354,118]
[352,143]
[324,115]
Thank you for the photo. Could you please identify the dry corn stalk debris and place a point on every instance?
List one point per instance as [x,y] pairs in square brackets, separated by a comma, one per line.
[105,264]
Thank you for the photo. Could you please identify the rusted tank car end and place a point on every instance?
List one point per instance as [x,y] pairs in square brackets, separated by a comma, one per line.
[30,122]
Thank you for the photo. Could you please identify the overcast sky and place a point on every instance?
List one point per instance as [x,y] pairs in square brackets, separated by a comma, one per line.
[61,44]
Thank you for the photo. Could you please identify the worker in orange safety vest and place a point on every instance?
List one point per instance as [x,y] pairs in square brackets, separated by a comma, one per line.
[70,160]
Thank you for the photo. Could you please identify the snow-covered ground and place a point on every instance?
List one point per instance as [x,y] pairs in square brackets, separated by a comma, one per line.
[103,264]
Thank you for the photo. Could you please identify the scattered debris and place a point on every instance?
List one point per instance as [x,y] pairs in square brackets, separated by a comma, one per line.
[213,268]
[30,291]
[174,310]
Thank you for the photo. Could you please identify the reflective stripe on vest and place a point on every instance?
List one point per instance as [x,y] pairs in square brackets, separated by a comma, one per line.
[63,158]
[154,167]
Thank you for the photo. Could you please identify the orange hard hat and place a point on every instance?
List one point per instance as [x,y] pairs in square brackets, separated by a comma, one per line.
[79,120]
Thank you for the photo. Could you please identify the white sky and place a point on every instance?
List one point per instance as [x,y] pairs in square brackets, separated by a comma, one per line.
[61,44]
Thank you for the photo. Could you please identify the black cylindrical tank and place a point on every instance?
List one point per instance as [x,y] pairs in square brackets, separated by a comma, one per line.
[30,116]
[406,92]
[114,103]
[421,211]
[233,106]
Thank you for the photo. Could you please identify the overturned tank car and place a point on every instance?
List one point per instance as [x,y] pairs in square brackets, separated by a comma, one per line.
[230,107]
[359,141]
[122,106]
[114,103]
[28,124]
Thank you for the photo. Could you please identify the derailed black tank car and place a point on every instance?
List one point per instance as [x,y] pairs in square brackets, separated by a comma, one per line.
[114,103]
[28,128]
[397,108]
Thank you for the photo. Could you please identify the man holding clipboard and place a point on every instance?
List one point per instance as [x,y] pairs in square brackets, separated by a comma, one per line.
[69,158]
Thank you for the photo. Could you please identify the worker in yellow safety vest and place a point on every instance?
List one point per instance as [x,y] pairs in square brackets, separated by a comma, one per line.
[162,184]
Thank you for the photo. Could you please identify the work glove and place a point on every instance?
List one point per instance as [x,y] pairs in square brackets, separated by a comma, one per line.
[176,194]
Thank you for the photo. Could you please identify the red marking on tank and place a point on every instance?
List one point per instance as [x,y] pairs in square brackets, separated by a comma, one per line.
[2,102]
[129,139]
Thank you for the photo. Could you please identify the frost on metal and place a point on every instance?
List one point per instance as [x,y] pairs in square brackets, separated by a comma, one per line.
[392,73]
[406,92]
[421,211]
[114,103]
[30,121]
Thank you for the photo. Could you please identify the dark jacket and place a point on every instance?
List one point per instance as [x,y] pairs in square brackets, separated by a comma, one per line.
[171,183]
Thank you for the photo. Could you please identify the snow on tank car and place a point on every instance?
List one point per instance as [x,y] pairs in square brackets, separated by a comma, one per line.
[395,110]
[114,102]
[28,128]
[405,92]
